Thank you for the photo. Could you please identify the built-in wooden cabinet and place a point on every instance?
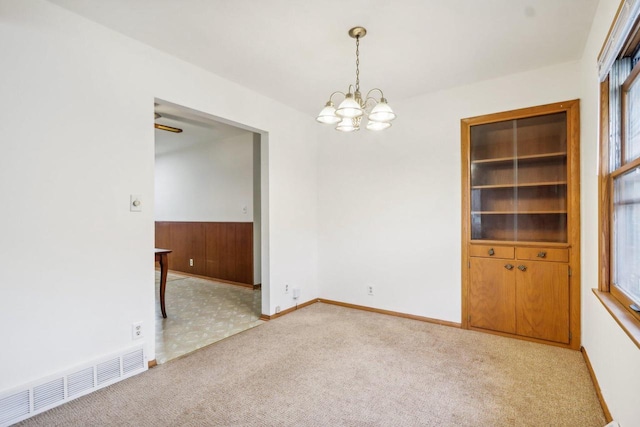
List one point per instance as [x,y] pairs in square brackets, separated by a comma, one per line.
[520,225]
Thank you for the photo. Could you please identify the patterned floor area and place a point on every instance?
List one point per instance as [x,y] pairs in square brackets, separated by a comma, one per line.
[201,312]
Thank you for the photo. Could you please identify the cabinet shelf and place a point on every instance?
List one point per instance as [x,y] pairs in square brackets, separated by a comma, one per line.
[519,184]
[560,212]
[532,158]
[520,243]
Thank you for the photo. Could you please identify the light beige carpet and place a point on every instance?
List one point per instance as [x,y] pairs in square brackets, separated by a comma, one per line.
[325,365]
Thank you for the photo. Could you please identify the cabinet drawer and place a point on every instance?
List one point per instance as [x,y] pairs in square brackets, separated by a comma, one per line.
[544,254]
[489,251]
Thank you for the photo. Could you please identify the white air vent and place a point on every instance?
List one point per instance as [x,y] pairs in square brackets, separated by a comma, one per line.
[14,407]
[80,381]
[48,393]
[31,399]
[108,370]
[132,361]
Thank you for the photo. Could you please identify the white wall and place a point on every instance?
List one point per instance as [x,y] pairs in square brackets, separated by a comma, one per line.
[615,358]
[77,140]
[257,211]
[204,179]
[390,202]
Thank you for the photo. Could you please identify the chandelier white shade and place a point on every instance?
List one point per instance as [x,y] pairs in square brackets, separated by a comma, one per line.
[382,112]
[348,125]
[349,108]
[353,108]
[328,115]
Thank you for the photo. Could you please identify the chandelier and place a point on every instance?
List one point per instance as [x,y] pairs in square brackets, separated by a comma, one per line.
[354,107]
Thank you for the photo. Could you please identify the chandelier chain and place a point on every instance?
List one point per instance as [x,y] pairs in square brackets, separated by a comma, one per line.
[358,64]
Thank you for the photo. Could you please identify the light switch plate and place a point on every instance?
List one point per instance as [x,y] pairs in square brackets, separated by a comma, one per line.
[135,203]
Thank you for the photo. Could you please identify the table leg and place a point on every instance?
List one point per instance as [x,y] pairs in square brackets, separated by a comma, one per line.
[163,281]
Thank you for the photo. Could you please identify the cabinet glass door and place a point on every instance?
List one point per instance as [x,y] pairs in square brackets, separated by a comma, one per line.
[493,177]
[542,178]
[519,180]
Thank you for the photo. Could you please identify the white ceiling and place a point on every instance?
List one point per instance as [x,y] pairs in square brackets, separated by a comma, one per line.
[298,51]
[196,129]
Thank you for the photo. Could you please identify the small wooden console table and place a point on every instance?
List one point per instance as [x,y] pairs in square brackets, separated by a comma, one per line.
[161,257]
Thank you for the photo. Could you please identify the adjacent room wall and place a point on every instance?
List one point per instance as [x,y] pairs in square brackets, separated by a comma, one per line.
[77,266]
[390,202]
[205,175]
[204,179]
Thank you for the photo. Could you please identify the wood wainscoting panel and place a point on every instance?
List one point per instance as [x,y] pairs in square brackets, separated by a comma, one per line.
[219,250]
[229,251]
[163,239]
[214,248]
[187,243]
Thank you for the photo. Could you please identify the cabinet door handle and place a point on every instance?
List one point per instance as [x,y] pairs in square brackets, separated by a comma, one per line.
[491,252]
[522,267]
[508,266]
[542,254]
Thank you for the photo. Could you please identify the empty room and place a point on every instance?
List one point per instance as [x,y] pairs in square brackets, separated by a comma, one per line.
[440,201]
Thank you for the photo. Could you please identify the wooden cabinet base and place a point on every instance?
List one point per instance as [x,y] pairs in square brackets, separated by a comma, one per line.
[492,295]
[520,297]
[542,306]
[521,224]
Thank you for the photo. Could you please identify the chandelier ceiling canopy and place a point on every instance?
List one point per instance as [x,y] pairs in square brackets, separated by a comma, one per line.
[349,114]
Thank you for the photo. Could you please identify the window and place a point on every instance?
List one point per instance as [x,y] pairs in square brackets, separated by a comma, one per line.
[624,177]
[626,233]
[620,165]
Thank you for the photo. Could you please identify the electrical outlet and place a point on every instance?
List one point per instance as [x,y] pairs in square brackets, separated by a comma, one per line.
[136,331]
[277,309]
[370,290]
[190,262]
[296,293]
[286,289]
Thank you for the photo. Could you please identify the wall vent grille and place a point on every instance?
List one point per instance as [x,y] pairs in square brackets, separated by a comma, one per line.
[81,381]
[14,406]
[108,370]
[39,396]
[48,393]
[132,361]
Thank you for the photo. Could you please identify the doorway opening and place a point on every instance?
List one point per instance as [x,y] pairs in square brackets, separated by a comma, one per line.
[208,211]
